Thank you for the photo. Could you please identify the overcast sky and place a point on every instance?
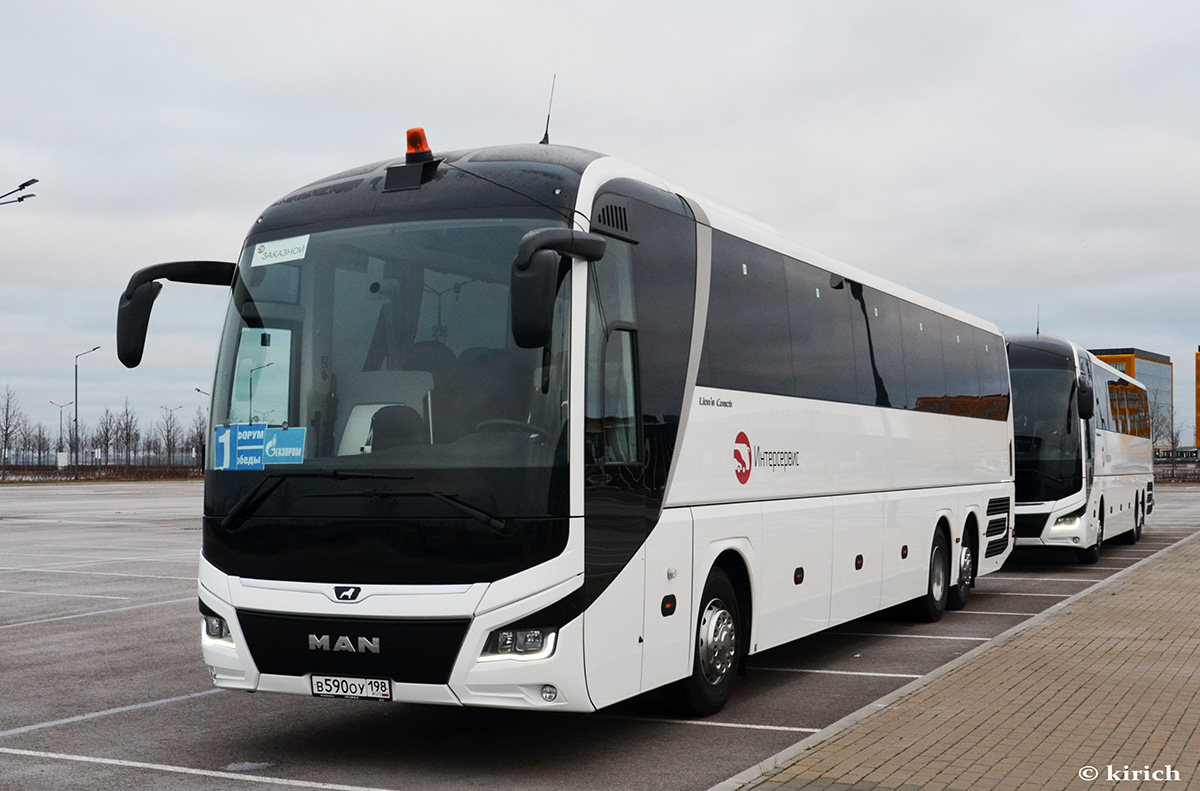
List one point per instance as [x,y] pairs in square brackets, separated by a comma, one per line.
[997,156]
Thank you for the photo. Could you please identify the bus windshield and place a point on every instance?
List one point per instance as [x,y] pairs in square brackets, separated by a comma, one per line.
[1047,434]
[387,347]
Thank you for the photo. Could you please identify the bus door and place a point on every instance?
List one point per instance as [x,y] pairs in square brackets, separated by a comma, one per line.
[614,482]
[1089,428]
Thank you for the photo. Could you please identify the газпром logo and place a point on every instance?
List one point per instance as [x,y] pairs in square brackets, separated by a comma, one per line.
[742,457]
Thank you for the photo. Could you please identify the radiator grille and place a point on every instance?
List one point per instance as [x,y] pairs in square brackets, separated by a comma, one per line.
[412,651]
[1030,525]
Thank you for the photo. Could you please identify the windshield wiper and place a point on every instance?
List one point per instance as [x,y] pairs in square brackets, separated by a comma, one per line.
[249,502]
[449,499]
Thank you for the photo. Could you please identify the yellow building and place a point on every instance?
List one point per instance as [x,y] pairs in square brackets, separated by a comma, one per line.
[1156,372]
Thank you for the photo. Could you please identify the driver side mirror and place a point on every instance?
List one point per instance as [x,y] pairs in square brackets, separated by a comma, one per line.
[1087,401]
[133,309]
[535,279]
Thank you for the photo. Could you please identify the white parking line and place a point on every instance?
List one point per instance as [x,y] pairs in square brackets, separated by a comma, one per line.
[93,715]
[1042,595]
[915,636]
[1017,578]
[135,559]
[97,573]
[183,770]
[711,724]
[836,672]
[97,612]
[71,595]
[992,612]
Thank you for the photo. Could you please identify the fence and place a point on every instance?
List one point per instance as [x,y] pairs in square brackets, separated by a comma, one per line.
[33,473]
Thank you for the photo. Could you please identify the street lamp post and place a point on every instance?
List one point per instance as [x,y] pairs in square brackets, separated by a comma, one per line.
[21,187]
[61,407]
[75,433]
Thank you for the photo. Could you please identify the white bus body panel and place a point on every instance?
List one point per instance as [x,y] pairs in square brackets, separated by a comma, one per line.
[834,482]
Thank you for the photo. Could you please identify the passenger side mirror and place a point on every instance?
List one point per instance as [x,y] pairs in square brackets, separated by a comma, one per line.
[133,309]
[1087,401]
[535,279]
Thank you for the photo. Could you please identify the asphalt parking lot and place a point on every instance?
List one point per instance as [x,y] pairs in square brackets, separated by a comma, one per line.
[104,688]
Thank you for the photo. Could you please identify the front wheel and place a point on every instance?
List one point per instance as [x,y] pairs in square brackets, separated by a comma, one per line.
[1092,554]
[932,605]
[718,648]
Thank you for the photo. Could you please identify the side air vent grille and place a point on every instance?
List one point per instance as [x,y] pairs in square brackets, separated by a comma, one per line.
[997,506]
[996,547]
[614,217]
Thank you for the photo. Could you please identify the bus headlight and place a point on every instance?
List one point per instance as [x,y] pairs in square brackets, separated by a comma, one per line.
[520,644]
[1071,521]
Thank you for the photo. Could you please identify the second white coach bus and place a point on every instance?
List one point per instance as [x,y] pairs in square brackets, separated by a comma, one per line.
[1085,461]
[530,427]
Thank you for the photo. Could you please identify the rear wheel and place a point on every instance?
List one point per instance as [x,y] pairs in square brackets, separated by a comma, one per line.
[932,605]
[1132,535]
[718,648]
[958,595]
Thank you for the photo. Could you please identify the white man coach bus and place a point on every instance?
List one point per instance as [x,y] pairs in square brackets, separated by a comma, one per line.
[528,426]
[1085,465]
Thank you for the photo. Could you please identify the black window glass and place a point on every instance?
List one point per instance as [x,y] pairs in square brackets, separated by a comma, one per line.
[992,362]
[959,349]
[878,352]
[924,367]
[822,338]
[747,343]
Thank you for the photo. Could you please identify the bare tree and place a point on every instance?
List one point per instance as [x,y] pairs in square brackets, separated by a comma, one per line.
[197,434]
[1163,432]
[41,443]
[11,420]
[170,432]
[151,447]
[26,440]
[107,431]
[129,433]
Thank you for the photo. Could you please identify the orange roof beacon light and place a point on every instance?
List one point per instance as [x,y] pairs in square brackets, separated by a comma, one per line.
[419,167]
[418,146]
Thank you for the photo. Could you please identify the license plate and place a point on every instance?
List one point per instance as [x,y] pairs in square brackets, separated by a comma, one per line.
[357,688]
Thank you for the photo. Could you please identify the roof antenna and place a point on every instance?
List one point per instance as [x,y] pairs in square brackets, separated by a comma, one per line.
[1038,330]
[546,137]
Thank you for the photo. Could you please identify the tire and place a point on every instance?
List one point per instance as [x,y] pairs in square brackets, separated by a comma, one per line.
[958,594]
[718,649]
[1132,535]
[1092,554]
[932,605]
[1140,522]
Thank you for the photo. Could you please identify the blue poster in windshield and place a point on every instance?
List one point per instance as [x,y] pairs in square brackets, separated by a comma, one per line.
[251,446]
[284,445]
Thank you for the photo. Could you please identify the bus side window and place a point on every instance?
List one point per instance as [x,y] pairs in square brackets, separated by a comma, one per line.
[620,402]
[611,414]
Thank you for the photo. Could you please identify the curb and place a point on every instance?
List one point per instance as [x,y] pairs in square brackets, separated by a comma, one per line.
[790,754]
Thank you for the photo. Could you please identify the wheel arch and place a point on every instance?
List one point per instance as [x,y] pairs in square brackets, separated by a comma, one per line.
[738,570]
